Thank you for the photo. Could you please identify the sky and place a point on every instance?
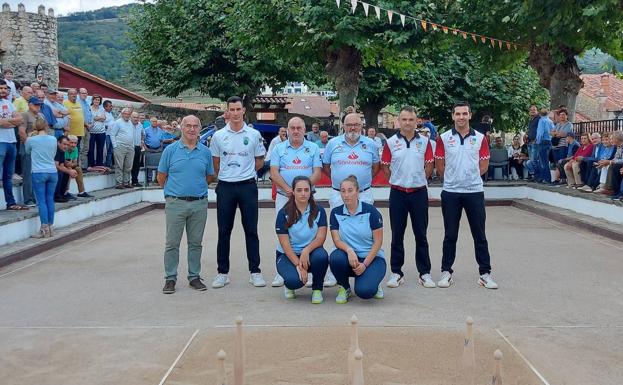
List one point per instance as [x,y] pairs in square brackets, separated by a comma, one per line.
[64,7]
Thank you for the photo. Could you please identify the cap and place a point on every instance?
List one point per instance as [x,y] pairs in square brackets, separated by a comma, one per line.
[35,100]
[52,91]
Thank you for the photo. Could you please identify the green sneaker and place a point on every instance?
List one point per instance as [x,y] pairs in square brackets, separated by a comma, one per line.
[289,294]
[317,297]
[342,295]
[380,294]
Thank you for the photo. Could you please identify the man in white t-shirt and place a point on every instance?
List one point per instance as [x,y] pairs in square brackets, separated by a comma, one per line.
[461,157]
[9,119]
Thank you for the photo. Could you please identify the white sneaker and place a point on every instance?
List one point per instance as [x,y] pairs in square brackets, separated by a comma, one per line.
[220,280]
[257,280]
[310,280]
[329,279]
[585,188]
[289,294]
[277,281]
[445,280]
[395,280]
[487,281]
[427,281]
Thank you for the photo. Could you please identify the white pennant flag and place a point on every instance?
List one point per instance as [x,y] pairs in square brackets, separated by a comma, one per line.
[378,12]
[365,8]
[338,3]
[402,20]
[390,14]
[353,4]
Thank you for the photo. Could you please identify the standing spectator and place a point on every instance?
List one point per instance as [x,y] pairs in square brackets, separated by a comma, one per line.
[88,123]
[9,119]
[32,119]
[462,156]
[350,154]
[153,136]
[46,111]
[533,125]
[97,135]
[238,153]
[408,163]
[559,135]
[110,120]
[184,172]
[377,141]
[139,145]
[281,137]
[572,167]
[42,148]
[8,79]
[168,135]
[76,117]
[122,138]
[61,114]
[324,140]
[314,134]
[71,162]
[35,86]
[21,103]
[543,142]
[64,172]
[427,123]
[294,157]
[357,232]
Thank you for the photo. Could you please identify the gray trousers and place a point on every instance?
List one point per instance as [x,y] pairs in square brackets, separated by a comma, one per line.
[26,174]
[124,156]
[182,214]
[84,150]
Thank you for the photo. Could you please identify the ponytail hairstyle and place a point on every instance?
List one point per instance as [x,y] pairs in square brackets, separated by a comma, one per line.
[293,214]
[353,180]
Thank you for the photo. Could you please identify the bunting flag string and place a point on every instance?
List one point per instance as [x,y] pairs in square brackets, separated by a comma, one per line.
[434,26]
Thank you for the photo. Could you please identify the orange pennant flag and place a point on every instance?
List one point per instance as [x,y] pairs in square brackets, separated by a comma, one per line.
[474,38]
[454,31]
[464,35]
[434,26]
[492,42]
[424,24]
[508,46]
[445,29]
[483,39]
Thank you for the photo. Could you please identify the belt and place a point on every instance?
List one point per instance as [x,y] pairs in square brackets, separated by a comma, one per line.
[365,189]
[408,190]
[188,199]
[246,181]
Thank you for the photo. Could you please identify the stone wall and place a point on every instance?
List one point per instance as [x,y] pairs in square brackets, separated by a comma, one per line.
[27,40]
[172,113]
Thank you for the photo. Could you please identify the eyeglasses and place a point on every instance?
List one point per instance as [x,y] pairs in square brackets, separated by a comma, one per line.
[353,125]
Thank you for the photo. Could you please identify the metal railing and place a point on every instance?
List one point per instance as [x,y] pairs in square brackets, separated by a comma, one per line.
[600,126]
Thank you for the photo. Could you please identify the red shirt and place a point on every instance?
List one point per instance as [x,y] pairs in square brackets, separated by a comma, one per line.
[585,151]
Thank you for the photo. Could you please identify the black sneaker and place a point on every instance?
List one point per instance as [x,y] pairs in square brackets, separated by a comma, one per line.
[85,195]
[169,287]
[70,196]
[197,284]
[136,184]
[61,200]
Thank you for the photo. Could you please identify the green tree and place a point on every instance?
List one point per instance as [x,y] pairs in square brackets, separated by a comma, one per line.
[182,46]
[551,33]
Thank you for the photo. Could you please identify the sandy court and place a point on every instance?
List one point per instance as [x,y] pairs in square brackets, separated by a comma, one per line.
[92,312]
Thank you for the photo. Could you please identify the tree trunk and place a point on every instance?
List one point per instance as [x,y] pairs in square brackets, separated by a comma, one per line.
[562,80]
[371,113]
[344,67]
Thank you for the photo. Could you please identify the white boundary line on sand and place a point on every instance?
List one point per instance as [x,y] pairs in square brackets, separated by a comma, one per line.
[33,263]
[179,357]
[534,370]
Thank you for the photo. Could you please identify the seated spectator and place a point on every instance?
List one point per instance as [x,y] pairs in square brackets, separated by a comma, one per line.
[604,151]
[572,167]
[357,232]
[301,227]
[572,148]
[372,135]
[63,172]
[615,171]
[517,157]
[41,147]
[71,162]
[498,144]
[168,135]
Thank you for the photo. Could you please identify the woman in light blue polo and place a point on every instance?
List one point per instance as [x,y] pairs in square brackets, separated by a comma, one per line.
[301,227]
[357,232]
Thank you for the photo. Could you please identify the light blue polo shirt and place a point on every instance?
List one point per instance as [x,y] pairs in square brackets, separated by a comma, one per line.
[186,170]
[346,160]
[356,230]
[153,137]
[293,162]
[300,233]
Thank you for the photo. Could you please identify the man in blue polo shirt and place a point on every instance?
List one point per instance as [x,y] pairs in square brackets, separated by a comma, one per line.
[153,136]
[289,159]
[351,154]
[184,171]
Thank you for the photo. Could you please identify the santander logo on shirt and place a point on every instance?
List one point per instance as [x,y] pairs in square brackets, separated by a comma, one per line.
[296,160]
[353,156]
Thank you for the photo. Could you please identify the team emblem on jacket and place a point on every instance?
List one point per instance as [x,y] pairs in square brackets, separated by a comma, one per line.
[246,140]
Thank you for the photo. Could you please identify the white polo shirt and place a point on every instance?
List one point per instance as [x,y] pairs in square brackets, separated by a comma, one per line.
[346,160]
[406,160]
[462,160]
[237,151]
[293,162]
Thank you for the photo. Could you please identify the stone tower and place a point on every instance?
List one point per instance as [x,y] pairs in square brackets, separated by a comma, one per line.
[29,41]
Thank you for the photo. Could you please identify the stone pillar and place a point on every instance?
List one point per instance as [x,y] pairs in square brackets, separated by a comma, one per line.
[41,10]
[51,12]
[21,9]
[6,7]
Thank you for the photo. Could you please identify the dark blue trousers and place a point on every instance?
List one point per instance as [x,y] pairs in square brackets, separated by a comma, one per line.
[366,284]
[95,155]
[229,197]
[452,205]
[318,264]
